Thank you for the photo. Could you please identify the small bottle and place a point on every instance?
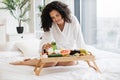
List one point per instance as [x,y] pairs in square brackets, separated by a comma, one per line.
[54,47]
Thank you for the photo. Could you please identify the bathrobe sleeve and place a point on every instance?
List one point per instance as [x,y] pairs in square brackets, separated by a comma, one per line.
[46,38]
[78,33]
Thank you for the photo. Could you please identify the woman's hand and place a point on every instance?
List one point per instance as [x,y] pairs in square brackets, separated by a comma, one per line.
[45,47]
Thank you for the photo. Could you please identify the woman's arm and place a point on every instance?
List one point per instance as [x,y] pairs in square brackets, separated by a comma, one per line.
[46,39]
[78,33]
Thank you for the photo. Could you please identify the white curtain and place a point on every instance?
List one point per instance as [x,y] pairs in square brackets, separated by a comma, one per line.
[88,20]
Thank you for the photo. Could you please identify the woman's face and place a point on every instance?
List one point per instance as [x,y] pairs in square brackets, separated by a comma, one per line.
[56,17]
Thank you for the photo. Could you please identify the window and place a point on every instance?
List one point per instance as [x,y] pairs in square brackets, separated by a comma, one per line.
[37,17]
[100,20]
[108,24]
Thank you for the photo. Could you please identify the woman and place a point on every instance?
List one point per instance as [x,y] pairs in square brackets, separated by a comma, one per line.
[59,26]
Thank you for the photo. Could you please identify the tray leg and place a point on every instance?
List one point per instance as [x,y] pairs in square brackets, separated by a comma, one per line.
[37,72]
[38,68]
[37,65]
[94,66]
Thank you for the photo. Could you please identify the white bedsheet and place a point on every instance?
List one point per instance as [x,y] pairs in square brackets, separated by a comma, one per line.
[108,63]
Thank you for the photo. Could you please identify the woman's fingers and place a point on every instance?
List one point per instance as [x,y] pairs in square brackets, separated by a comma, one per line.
[46,46]
[49,45]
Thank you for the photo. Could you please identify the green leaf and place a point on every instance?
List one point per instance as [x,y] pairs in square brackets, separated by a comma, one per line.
[53,43]
[26,9]
[17,1]
[3,8]
[11,12]
[25,19]
[23,3]
[9,6]
[54,47]
[41,8]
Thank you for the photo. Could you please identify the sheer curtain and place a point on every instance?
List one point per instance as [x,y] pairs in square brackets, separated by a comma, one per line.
[100,20]
[108,24]
[88,20]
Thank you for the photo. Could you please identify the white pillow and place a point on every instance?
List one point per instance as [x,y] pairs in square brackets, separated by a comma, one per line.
[29,48]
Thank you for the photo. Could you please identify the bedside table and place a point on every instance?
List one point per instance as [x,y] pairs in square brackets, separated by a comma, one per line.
[17,37]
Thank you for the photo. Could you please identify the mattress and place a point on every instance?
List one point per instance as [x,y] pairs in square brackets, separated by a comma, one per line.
[108,63]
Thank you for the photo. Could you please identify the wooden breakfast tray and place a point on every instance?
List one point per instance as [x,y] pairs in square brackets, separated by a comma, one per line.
[87,58]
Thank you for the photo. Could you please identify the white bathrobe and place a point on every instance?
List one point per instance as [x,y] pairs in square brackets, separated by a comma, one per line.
[70,38]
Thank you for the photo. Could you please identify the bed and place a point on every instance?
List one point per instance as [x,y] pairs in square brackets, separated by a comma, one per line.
[108,63]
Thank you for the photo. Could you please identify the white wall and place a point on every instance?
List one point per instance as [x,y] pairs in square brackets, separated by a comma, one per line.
[2,31]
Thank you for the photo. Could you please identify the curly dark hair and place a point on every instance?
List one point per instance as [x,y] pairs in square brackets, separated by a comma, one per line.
[58,6]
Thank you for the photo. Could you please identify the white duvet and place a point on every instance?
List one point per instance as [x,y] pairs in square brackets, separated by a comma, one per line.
[108,63]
